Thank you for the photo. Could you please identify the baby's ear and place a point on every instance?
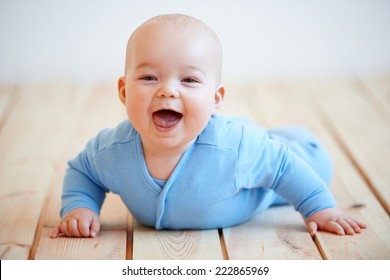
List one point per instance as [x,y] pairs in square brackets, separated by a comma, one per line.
[121,89]
[218,98]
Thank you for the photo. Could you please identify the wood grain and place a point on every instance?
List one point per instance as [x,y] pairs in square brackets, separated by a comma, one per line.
[8,97]
[108,245]
[377,88]
[151,244]
[275,234]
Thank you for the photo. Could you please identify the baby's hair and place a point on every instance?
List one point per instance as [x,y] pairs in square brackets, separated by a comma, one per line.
[176,20]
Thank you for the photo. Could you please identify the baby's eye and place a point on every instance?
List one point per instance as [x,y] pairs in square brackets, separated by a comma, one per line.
[149,78]
[189,80]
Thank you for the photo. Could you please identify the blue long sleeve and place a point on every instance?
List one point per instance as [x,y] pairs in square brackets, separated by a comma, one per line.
[82,187]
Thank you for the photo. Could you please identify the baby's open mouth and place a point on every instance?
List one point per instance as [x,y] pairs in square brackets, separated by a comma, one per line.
[166,118]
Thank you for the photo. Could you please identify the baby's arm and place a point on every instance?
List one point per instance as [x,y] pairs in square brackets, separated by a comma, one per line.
[80,222]
[82,196]
[333,220]
[300,185]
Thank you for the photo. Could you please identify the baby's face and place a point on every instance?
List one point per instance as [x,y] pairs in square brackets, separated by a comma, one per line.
[172,84]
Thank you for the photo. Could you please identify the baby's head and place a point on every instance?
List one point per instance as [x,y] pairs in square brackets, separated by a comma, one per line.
[172,82]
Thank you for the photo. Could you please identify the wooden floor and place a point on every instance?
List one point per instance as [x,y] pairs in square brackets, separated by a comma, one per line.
[42,126]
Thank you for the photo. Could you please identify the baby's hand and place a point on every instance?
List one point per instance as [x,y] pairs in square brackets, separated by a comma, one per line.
[80,222]
[333,220]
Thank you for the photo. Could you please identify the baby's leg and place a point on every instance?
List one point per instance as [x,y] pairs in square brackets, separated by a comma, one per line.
[306,146]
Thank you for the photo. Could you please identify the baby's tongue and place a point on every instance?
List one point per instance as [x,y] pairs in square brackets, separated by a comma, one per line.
[166,118]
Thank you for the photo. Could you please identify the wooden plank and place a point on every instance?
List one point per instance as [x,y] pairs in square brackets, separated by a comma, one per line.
[108,245]
[101,110]
[277,233]
[363,132]
[18,223]
[151,244]
[8,97]
[378,89]
[27,156]
[11,251]
[295,105]
[5,97]
[234,103]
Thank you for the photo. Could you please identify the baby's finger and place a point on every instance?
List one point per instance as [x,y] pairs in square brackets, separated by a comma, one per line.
[64,228]
[355,226]
[333,226]
[83,226]
[95,227]
[56,231]
[345,225]
[73,228]
[312,228]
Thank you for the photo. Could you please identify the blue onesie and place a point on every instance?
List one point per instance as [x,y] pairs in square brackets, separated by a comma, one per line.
[232,171]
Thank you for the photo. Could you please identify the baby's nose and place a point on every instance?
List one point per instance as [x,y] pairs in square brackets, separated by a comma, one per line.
[168,92]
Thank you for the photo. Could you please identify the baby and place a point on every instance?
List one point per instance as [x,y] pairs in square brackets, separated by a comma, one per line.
[178,165]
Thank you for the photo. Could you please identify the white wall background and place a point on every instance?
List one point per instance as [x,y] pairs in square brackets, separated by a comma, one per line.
[84,40]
